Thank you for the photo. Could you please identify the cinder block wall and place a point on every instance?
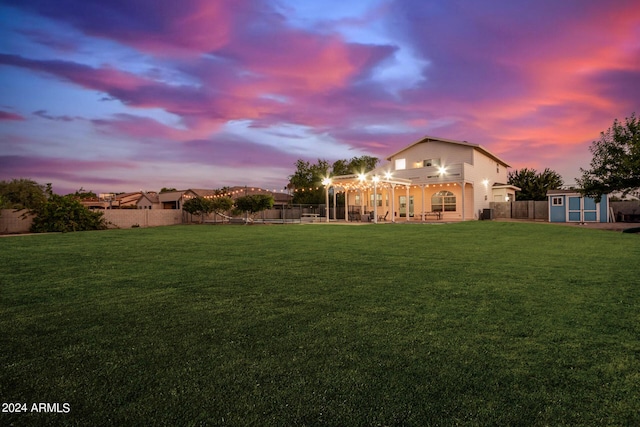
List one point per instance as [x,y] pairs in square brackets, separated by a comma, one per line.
[11,222]
[127,218]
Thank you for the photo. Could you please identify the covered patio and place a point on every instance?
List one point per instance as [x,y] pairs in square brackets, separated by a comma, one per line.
[378,197]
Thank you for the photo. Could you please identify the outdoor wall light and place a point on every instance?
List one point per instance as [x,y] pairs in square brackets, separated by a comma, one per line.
[387,175]
[485,182]
[442,170]
[326,181]
[361,177]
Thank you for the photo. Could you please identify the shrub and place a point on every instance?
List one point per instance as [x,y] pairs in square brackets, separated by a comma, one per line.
[63,214]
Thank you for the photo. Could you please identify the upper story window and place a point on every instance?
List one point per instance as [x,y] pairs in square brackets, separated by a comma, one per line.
[497,167]
[401,164]
[430,162]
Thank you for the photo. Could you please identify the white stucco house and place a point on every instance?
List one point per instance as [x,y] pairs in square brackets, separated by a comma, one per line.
[431,179]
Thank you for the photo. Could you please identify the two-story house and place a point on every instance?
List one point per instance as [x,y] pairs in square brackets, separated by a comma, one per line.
[433,178]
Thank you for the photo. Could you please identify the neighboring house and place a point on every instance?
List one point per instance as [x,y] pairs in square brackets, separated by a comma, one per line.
[571,206]
[175,199]
[171,199]
[148,200]
[431,178]
[135,200]
[94,203]
[632,195]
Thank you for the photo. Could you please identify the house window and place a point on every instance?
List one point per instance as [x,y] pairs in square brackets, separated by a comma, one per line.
[497,167]
[401,164]
[430,162]
[443,201]
[379,200]
[557,201]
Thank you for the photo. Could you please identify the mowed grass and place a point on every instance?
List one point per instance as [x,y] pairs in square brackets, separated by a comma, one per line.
[478,323]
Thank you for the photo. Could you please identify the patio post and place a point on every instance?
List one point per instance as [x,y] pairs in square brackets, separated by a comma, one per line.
[393,203]
[423,215]
[463,203]
[375,199]
[406,209]
[346,204]
[335,217]
[326,182]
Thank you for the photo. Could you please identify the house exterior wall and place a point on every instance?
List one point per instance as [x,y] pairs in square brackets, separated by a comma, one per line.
[472,174]
[485,174]
[390,200]
[145,203]
[466,165]
[447,153]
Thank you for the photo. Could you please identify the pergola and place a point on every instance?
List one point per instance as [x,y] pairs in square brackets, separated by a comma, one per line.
[364,183]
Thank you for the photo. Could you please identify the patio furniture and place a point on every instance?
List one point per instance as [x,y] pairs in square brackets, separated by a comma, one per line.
[437,214]
[310,217]
[383,218]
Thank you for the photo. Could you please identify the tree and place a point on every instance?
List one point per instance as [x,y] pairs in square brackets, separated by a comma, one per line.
[307,180]
[355,165]
[83,194]
[64,214]
[254,203]
[222,204]
[615,165]
[534,185]
[22,194]
[167,190]
[198,206]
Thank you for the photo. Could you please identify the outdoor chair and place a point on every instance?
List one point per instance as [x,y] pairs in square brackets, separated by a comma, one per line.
[383,218]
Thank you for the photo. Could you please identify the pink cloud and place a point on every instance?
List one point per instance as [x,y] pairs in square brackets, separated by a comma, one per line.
[142,128]
[5,115]
[52,170]
[190,26]
[533,83]
[305,61]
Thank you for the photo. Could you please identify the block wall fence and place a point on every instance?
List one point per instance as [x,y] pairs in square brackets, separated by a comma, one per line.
[12,222]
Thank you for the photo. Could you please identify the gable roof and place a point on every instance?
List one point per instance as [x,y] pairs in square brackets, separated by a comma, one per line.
[478,147]
[151,197]
[170,196]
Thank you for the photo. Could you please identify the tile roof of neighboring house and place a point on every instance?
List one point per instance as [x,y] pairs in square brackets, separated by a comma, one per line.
[170,196]
[152,197]
[128,198]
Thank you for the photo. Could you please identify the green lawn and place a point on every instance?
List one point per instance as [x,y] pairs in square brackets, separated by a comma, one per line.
[478,323]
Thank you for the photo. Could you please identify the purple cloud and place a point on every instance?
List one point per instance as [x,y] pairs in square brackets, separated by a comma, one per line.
[6,115]
[526,80]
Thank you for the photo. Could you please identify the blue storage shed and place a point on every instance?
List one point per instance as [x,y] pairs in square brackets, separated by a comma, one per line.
[571,206]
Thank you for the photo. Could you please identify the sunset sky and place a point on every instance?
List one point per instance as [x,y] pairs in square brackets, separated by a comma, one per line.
[123,95]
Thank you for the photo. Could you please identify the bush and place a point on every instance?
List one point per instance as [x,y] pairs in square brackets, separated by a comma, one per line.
[63,214]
